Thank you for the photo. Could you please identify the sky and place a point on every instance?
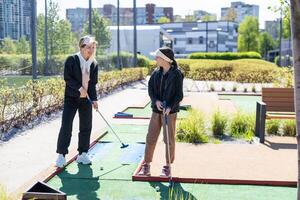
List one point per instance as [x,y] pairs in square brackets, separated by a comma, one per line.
[181,7]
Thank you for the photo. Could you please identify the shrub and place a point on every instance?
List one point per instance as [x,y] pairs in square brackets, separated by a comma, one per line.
[18,105]
[4,194]
[225,56]
[243,71]
[219,123]
[289,128]
[285,78]
[192,129]
[253,89]
[242,126]
[234,88]
[212,88]
[272,127]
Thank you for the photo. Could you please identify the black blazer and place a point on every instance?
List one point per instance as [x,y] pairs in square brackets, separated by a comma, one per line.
[73,78]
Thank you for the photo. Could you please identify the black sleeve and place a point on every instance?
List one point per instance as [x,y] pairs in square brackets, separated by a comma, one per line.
[151,89]
[179,90]
[69,74]
[93,83]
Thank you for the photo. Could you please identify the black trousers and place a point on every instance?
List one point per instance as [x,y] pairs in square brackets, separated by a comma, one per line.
[84,107]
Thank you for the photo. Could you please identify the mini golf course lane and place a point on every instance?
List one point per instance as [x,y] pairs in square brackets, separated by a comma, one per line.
[145,112]
[110,177]
[246,103]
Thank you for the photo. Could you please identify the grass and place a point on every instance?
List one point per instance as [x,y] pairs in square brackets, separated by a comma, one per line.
[192,129]
[4,194]
[272,127]
[18,81]
[219,123]
[289,128]
[242,126]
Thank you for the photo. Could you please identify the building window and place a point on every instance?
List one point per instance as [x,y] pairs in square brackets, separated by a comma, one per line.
[190,40]
[200,40]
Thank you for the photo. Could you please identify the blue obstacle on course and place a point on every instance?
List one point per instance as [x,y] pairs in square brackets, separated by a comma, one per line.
[123,114]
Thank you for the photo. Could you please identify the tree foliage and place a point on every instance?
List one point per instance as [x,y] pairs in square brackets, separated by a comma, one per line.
[248,38]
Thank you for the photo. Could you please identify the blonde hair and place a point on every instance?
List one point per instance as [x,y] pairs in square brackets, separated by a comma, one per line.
[87,38]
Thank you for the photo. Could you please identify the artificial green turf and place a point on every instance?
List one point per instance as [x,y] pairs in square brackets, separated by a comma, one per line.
[127,133]
[147,111]
[109,177]
[246,103]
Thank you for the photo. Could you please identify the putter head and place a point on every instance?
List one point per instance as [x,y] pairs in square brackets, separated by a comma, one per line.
[170,184]
[124,146]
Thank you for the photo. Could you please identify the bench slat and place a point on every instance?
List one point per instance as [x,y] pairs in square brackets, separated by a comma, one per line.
[270,116]
[278,99]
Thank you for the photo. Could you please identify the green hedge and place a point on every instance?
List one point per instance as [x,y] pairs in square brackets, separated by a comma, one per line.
[225,56]
[244,70]
[20,105]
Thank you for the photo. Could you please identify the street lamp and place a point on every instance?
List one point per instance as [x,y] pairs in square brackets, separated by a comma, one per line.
[90,17]
[46,72]
[33,38]
[218,29]
[118,35]
[134,35]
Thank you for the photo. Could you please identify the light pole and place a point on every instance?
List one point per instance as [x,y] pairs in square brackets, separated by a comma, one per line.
[206,36]
[118,35]
[218,29]
[280,37]
[90,17]
[46,39]
[33,38]
[134,35]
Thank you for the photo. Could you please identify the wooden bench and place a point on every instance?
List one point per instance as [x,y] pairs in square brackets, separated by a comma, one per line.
[277,103]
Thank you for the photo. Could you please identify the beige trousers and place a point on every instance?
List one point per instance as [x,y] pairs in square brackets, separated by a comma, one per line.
[156,122]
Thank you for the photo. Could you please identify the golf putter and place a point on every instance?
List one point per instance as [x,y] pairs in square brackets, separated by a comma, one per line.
[123,145]
[167,136]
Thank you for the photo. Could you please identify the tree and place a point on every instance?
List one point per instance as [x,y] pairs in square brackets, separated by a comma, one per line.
[40,38]
[53,18]
[266,43]
[190,18]
[231,15]
[65,41]
[207,18]
[100,31]
[163,20]
[22,46]
[8,46]
[61,40]
[295,18]
[248,35]
[287,25]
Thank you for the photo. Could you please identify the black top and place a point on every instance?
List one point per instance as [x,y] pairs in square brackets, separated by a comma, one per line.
[167,88]
[73,78]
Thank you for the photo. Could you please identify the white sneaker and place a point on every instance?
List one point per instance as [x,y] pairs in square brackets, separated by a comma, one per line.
[60,161]
[84,159]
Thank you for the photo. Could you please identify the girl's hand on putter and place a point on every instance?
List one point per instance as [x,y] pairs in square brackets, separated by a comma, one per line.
[167,111]
[159,105]
[95,105]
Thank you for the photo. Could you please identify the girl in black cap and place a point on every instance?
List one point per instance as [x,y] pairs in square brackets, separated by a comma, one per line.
[165,85]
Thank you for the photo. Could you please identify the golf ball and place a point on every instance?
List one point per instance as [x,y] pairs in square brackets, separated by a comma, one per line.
[157,188]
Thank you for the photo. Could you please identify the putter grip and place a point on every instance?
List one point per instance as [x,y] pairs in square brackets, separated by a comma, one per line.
[164,104]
